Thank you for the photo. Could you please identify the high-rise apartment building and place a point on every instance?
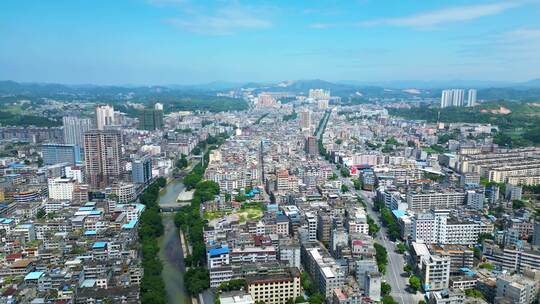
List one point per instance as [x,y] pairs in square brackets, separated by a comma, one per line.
[104,116]
[311,146]
[60,153]
[446,98]
[471,100]
[74,128]
[452,98]
[151,119]
[141,170]
[102,153]
[305,119]
[319,94]
[458,97]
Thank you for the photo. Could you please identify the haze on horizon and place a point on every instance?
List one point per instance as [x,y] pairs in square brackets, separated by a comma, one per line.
[187,41]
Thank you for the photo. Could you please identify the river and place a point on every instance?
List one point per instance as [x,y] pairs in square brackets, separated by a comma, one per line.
[171,253]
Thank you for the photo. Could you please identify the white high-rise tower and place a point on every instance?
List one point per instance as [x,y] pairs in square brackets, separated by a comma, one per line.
[74,128]
[305,119]
[471,100]
[104,116]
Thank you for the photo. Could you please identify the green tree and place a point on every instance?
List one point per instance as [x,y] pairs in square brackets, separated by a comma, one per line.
[401,248]
[357,184]
[385,288]
[474,293]
[316,298]
[40,213]
[373,228]
[388,300]
[407,268]
[196,151]
[344,188]
[518,204]
[381,256]
[196,280]
[487,266]
[182,162]
[414,282]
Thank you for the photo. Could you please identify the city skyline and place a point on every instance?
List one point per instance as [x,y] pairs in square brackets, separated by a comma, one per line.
[186,42]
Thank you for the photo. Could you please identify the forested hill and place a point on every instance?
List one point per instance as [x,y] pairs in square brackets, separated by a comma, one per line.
[520,126]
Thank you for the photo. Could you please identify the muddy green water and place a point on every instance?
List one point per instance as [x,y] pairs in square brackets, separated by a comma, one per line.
[171,252]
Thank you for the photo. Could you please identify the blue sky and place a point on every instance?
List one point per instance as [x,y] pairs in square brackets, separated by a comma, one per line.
[186,42]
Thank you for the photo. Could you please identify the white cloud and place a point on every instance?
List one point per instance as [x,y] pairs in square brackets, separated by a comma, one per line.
[445,15]
[523,34]
[321,25]
[224,20]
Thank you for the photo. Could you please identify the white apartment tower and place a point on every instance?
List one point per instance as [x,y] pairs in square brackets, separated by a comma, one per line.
[471,100]
[74,128]
[104,116]
[319,94]
[452,98]
[305,119]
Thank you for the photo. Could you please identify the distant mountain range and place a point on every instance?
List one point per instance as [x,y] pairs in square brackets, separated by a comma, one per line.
[489,90]
[440,84]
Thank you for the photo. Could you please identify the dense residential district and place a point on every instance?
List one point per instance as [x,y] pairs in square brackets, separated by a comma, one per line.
[297,198]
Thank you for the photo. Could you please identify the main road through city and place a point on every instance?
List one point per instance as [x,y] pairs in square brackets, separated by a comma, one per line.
[396,261]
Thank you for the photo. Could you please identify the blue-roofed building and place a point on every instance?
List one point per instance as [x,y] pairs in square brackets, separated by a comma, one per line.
[7,221]
[90,233]
[467,271]
[99,245]
[130,225]
[273,208]
[218,256]
[88,283]
[35,279]
[27,230]
[399,213]
[35,275]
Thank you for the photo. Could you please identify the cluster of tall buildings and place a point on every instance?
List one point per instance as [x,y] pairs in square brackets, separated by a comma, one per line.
[151,119]
[456,98]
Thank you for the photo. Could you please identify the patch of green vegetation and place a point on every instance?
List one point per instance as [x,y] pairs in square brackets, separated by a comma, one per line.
[212,215]
[13,119]
[258,121]
[152,286]
[205,103]
[517,129]
[291,116]
[381,256]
